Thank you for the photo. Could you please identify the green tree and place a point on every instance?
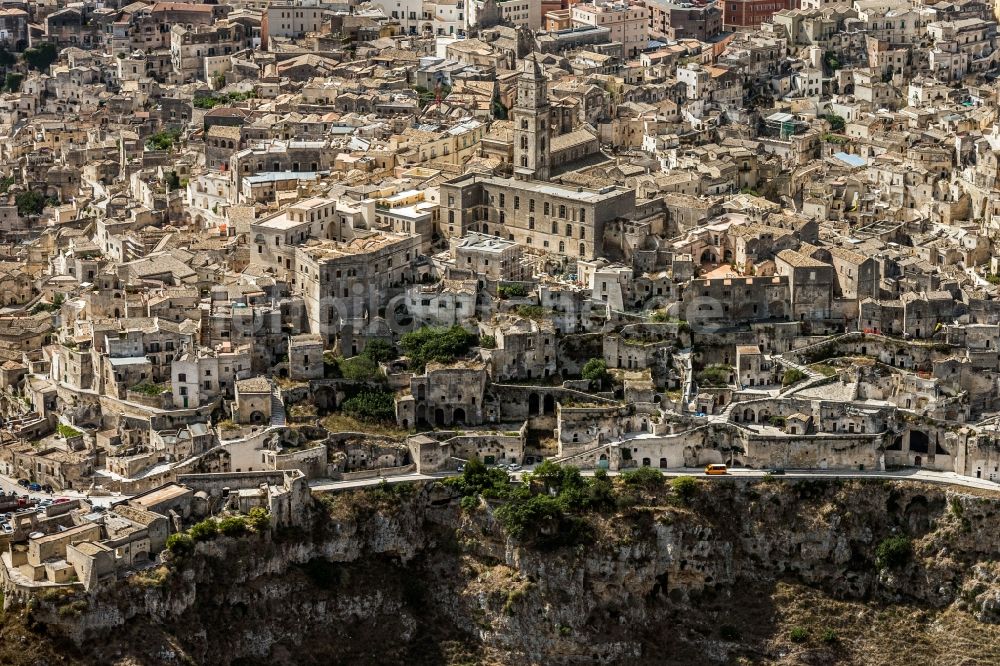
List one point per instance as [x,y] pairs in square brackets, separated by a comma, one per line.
[512,291]
[259,519]
[41,56]
[233,526]
[163,140]
[442,345]
[837,123]
[29,203]
[7,59]
[180,544]
[172,180]
[205,530]
[12,82]
[685,487]
[893,552]
[379,351]
[374,405]
[358,368]
[596,371]
[644,477]
[206,102]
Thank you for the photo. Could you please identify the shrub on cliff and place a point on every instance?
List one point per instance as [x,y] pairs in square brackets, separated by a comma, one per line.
[685,487]
[233,526]
[893,552]
[478,479]
[645,478]
[205,530]
[180,544]
[259,519]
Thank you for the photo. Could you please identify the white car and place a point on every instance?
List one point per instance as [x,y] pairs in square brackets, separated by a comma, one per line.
[6,528]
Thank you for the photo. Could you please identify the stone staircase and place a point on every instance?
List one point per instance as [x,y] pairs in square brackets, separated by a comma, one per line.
[277,407]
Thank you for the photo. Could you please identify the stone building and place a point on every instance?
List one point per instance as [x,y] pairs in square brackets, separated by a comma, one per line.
[445,395]
[190,46]
[305,357]
[810,284]
[252,404]
[525,348]
[346,283]
[541,217]
[489,257]
[752,367]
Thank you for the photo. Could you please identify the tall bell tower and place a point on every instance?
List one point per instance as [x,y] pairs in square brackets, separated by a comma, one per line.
[531,123]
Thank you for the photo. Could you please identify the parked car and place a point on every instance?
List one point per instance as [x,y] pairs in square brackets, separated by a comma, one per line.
[44,503]
[60,500]
[514,467]
[6,528]
[23,482]
[776,471]
[47,488]
[35,487]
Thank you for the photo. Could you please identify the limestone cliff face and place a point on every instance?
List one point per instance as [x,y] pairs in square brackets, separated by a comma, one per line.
[410,576]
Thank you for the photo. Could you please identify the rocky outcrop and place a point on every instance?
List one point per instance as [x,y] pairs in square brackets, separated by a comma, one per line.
[406,575]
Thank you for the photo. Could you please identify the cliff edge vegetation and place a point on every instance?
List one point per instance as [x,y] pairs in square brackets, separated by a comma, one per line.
[562,569]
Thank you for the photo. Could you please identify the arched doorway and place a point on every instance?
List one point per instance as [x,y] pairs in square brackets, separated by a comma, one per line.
[548,404]
[533,404]
[458,416]
[663,463]
[439,417]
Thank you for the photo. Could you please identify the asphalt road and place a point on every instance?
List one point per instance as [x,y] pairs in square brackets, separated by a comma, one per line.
[7,484]
[929,476]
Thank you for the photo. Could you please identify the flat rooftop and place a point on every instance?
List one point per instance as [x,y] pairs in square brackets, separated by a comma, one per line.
[160,495]
[484,243]
[583,194]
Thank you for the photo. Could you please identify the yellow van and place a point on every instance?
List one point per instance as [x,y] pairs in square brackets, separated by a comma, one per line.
[715,469]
